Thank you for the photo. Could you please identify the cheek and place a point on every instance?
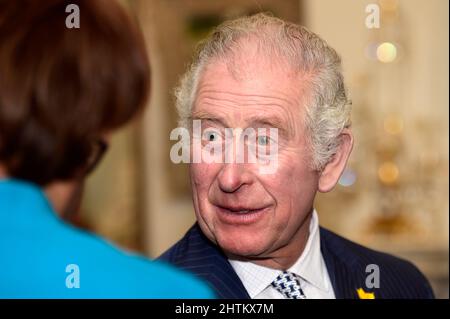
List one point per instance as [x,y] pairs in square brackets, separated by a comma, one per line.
[293,187]
[198,174]
[202,178]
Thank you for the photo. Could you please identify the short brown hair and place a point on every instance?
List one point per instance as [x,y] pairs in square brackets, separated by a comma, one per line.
[60,87]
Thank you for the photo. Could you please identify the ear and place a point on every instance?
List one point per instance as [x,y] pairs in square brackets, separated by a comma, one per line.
[332,172]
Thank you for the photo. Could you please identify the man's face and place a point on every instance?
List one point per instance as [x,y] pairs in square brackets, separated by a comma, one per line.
[247,213]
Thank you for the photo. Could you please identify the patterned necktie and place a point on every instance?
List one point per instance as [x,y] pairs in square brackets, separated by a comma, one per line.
[288,284]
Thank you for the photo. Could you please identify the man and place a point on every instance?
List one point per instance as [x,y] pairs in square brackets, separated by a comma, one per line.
[257,233]
[63,91]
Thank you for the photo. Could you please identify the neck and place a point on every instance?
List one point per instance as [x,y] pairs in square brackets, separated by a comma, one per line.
[65,197]
[285,256]
[2,172]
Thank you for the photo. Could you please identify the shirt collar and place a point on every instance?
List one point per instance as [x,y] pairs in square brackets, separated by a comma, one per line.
[309,266]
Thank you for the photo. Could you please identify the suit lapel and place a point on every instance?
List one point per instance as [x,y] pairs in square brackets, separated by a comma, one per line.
[341,275]
[210,263]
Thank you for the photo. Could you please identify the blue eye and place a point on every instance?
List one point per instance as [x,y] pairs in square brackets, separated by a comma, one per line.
[263,140]
[211,136]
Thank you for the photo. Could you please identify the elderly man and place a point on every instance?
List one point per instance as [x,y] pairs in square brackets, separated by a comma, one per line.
[258,234]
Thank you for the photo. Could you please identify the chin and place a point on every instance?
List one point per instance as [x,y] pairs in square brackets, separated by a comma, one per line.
[241,243]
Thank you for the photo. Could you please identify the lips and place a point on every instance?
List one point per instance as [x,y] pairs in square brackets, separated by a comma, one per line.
[238,215]
[240,210]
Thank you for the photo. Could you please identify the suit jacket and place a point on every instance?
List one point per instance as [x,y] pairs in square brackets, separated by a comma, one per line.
[346,263]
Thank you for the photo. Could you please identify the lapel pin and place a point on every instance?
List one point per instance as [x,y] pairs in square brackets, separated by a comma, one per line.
[365,295]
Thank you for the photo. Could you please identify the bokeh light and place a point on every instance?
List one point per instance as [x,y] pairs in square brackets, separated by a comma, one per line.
[386,52]
[371,51]
[388,173]
[348,178]
[393,124]
[388,5]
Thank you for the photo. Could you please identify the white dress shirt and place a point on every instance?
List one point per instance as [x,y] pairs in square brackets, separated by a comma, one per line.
[310,267]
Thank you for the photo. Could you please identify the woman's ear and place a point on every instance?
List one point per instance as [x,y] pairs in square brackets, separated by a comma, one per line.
[332,172]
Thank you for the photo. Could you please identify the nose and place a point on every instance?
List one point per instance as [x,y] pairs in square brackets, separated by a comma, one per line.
[232,177]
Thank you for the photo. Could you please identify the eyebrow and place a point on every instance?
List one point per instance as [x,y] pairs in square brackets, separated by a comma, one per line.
[267,121]
[205,116]
[256,121]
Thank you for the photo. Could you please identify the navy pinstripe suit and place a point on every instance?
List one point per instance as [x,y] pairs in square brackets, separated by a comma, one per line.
[346,263]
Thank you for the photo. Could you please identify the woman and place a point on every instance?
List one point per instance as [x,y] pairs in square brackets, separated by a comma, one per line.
[62,92]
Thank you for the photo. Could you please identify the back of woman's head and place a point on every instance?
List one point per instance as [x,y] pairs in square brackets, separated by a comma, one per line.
[61,88]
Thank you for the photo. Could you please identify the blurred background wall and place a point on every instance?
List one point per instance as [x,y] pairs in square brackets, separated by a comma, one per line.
[393,195]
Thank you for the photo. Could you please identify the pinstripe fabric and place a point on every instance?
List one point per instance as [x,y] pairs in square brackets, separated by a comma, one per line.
[346,263]
[195,253]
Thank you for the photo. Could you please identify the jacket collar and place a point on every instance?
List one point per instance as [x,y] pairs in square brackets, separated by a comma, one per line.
[342,274]
[230,286]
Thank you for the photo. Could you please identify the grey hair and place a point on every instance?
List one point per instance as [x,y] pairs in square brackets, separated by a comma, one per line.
[327,107]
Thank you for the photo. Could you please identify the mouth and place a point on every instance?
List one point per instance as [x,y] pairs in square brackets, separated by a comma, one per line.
[240,215]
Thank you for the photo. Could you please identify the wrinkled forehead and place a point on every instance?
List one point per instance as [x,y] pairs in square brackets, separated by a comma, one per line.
[252,57]
[238,91]
[259,63]
[252,74]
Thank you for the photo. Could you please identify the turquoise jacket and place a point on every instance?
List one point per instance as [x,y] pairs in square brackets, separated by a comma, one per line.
[41,256]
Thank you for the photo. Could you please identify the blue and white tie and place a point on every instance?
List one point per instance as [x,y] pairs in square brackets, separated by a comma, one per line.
[288,284]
